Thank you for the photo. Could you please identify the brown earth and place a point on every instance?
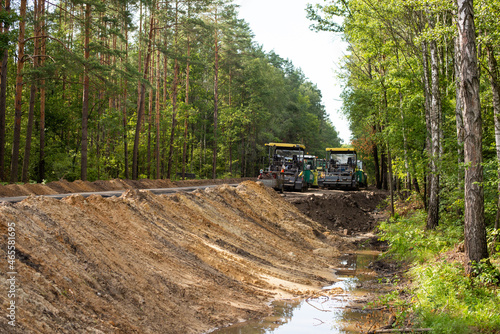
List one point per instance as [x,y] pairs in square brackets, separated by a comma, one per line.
[183,263]
[347,212]
[65,187]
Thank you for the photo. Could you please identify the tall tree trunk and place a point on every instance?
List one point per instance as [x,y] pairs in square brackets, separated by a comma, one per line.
[86,87]
[140,104]
[139,62]
[458,114]
[175,84]
[492,64]
[157,121]
[33,92]
[433,208]
[43,49]
[3,97]
[174,118]
[150,117]
[216,97]
[427,107]
[184,148]
[125,121]
[474,229]
[19,92]
[29,133]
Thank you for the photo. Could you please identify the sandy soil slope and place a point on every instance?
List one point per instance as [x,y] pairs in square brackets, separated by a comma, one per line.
[144,263]
[65,187]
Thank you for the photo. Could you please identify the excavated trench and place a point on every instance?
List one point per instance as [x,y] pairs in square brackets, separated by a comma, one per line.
[183,263]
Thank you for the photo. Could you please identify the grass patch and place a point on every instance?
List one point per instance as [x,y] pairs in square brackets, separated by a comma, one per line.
[450,302]
[409,241]
[440,295]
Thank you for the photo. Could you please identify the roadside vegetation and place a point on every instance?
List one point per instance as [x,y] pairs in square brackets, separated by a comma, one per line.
[436,292]
[422,94]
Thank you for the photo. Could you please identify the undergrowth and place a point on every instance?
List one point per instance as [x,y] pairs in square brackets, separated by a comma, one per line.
[441,296]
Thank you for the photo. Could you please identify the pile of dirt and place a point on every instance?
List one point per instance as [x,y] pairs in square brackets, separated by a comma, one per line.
[145,263]
[65,187]
[344,211]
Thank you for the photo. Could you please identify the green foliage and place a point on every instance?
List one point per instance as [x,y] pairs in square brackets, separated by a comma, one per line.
[261,96]
[450,302]
[408,239]
[442,296]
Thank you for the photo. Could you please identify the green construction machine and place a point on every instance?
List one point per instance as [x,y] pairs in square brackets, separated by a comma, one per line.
[342,171]
[287,169]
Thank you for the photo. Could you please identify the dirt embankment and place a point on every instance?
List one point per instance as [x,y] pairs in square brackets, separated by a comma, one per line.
[339,211]
[144,263]
[78,186]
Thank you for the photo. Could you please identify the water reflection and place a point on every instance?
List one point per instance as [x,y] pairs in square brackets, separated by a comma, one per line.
[329,313]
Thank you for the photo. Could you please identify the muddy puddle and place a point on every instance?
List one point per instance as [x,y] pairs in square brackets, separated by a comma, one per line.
[340,308]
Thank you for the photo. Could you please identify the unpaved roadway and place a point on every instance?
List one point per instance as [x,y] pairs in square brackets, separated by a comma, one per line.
[182,263]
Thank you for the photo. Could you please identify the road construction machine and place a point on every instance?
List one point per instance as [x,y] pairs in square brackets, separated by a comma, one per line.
[287,169]
[341,171]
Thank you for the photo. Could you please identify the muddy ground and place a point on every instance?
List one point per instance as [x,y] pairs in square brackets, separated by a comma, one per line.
[183,263]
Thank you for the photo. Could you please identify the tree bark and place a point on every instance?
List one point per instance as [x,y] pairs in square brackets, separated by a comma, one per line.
[474,229]
[216,97]
[29,133]
[492,64]
[43,49]
[157,121]
[140,104]
[150,117]
[184,148]
[125,121]
[175,84]
[433,208]
[458,114]
[86,87]
[427,107]
[33,92]
[19,92]
[3,98]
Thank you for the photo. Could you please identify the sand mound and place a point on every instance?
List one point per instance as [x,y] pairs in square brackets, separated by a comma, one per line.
[143,263]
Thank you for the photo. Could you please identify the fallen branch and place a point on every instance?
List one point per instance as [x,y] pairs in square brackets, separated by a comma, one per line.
[317,308]
[401,330]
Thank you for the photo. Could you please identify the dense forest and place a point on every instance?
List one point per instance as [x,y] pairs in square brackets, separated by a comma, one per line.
[145,89]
